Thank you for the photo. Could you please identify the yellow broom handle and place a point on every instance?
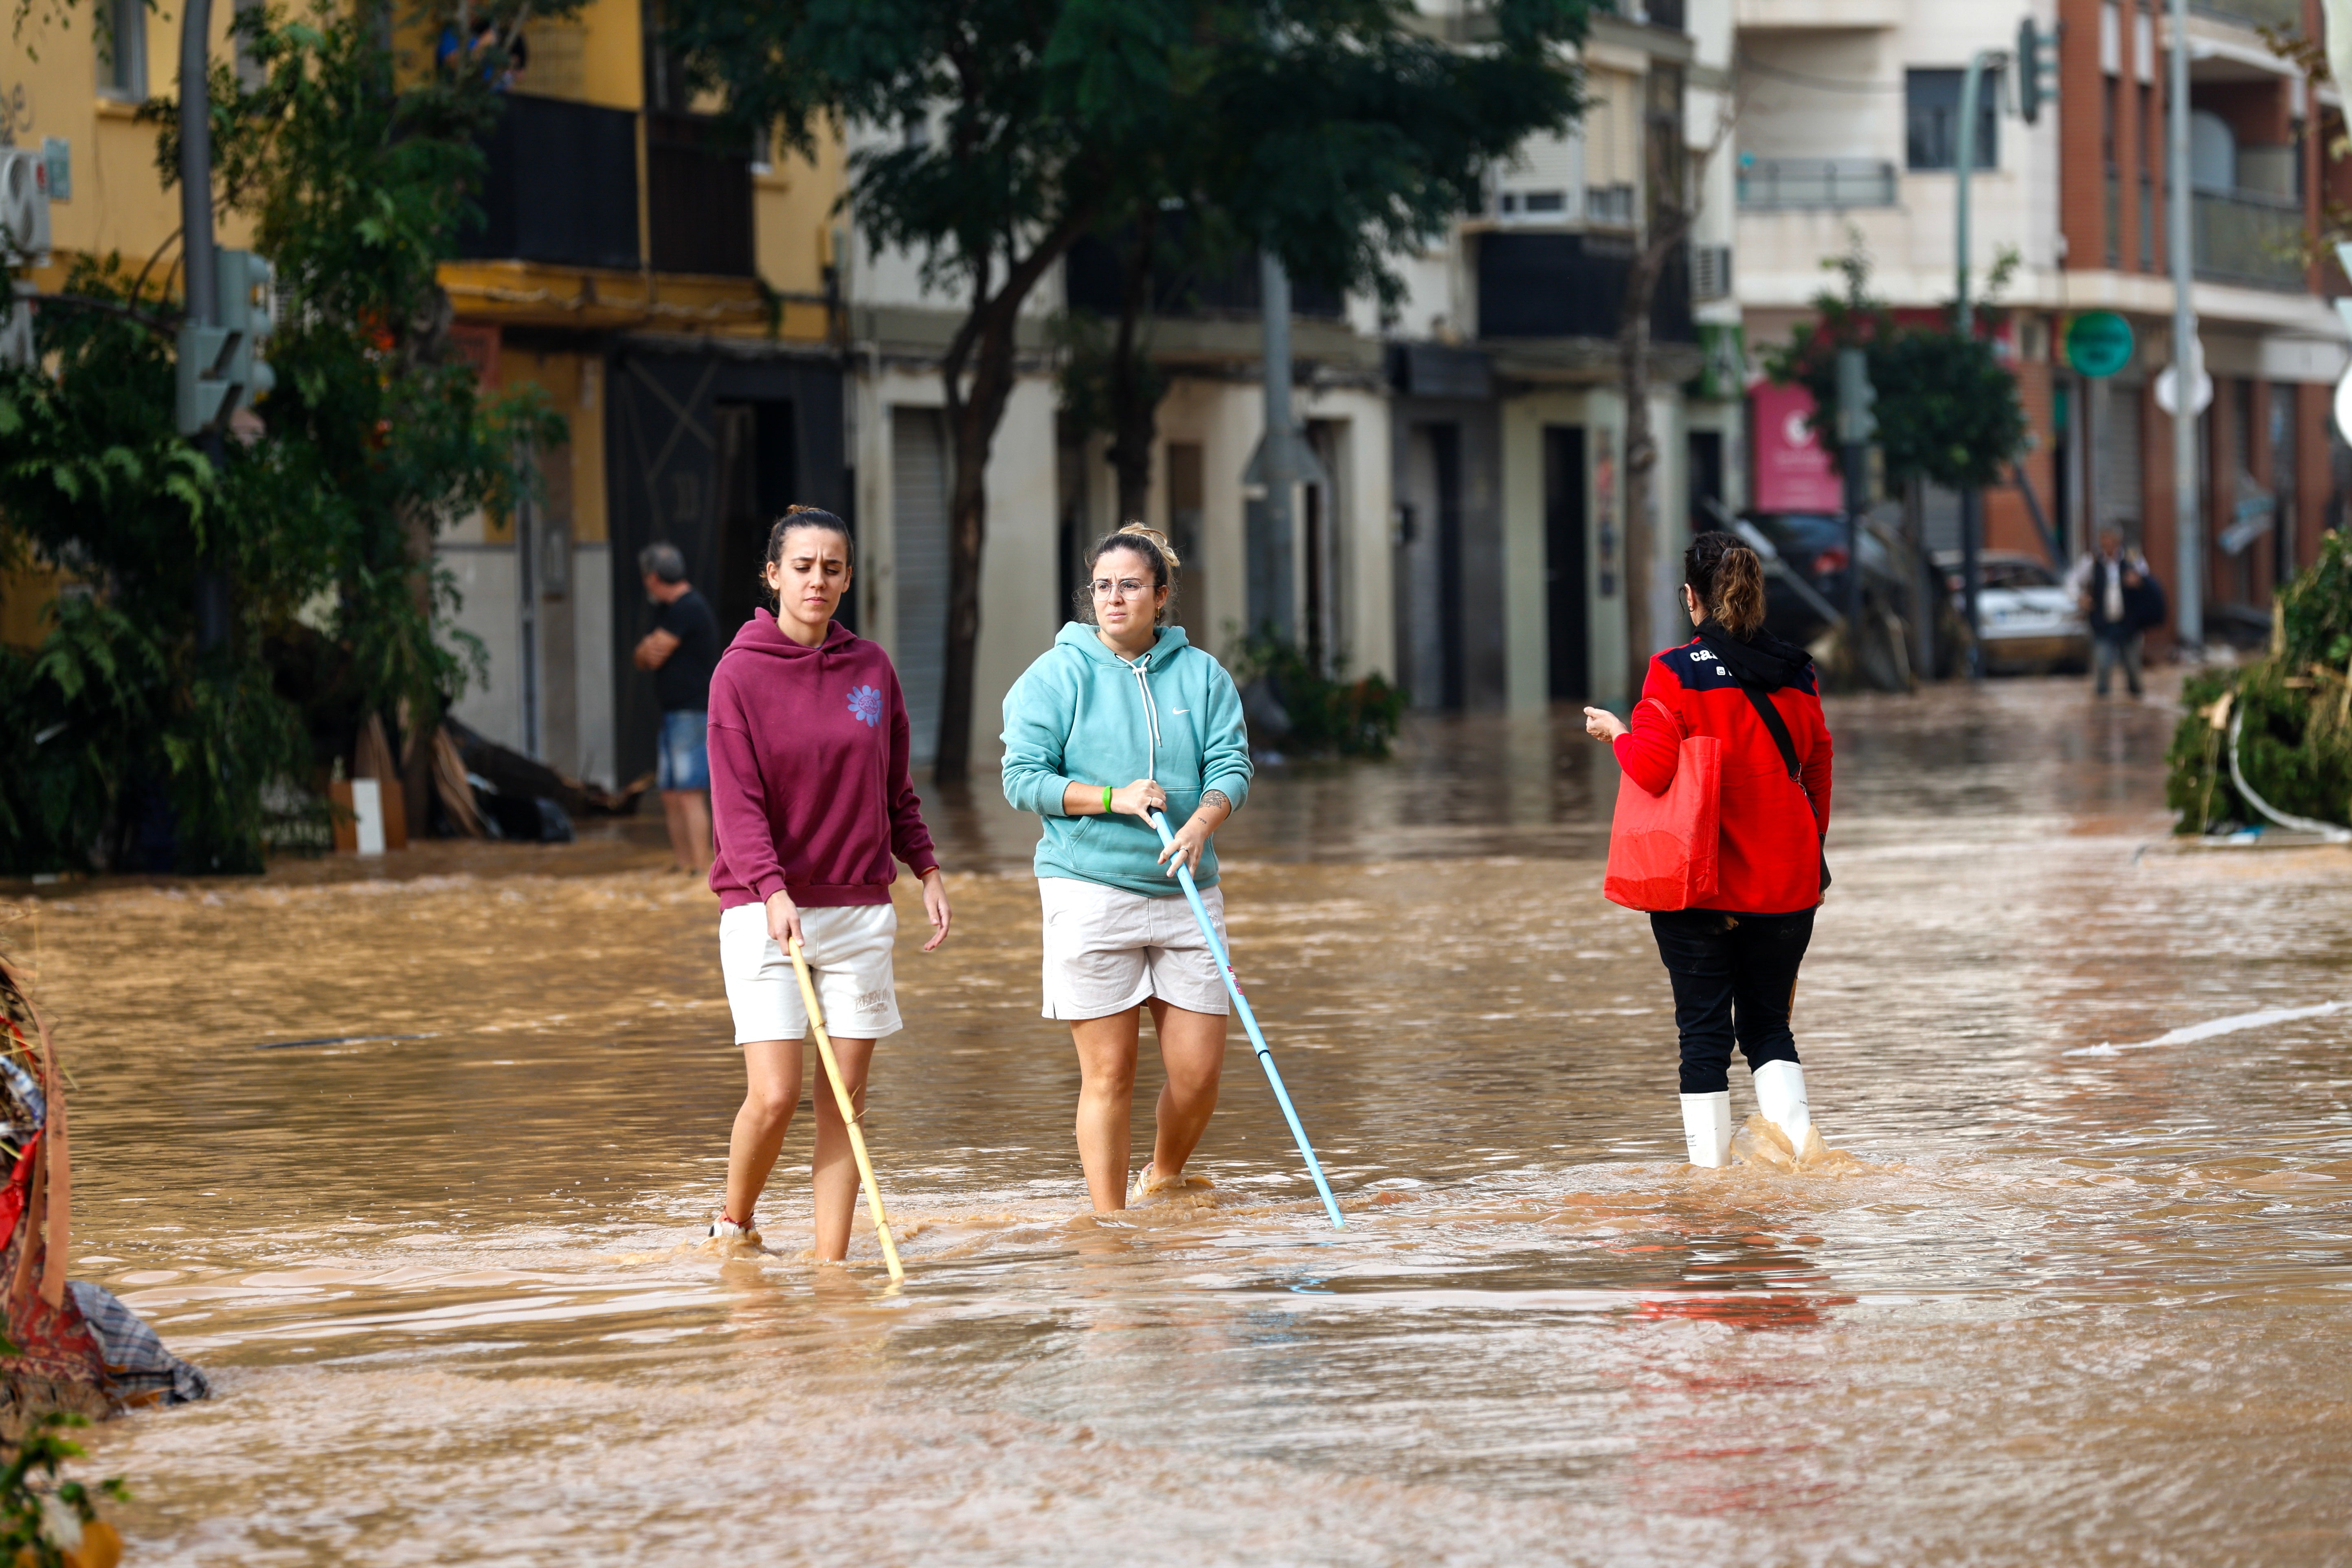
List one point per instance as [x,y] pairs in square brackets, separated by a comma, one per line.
[848,1111]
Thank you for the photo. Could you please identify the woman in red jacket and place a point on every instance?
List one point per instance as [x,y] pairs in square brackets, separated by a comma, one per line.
[811,799]
[1734,959]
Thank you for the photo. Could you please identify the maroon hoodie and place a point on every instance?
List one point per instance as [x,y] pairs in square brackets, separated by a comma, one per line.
[808,771]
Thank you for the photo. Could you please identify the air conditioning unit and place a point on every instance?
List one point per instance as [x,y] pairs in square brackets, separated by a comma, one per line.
[23,207]
[1710,272]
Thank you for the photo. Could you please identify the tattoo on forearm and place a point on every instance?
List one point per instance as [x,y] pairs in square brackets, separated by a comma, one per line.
[1218,797]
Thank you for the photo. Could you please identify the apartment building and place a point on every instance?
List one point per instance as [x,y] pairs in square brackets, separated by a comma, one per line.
[670,288]
[1507,422]
[1848,128]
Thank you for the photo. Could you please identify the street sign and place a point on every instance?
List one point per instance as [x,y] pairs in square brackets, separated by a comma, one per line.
[2099,343]
[2200,400]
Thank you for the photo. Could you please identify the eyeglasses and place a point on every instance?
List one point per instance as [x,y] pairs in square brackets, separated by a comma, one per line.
[1124,588]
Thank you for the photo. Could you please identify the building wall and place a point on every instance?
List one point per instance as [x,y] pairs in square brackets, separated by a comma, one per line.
[1020,571]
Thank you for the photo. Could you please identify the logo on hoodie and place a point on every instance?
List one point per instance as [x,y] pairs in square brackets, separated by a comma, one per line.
[865,705]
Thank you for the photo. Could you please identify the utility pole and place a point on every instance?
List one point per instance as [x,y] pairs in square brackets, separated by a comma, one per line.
[2188,358]
[1964,319]
[1856,424]
[1282,462]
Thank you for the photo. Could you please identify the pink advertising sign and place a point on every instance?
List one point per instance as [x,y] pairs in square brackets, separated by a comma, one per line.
[1793,472]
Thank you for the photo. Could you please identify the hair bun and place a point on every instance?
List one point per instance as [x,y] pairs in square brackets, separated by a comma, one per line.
[1158,539]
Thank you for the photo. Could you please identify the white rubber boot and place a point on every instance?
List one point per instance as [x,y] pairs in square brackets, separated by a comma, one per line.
[1707,1127]
[1781,1095]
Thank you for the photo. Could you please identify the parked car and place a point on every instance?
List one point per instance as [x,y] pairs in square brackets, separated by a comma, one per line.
[1806,567]
[2031,624]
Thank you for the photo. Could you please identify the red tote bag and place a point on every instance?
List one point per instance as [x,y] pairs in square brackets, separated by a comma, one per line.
[1662,847]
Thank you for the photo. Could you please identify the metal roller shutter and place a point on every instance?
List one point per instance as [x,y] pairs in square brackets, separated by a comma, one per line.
[919,521]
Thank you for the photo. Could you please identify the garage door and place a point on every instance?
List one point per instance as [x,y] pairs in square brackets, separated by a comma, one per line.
[918,522]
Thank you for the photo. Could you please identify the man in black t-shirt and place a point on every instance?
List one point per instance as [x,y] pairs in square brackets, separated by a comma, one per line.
[681,651]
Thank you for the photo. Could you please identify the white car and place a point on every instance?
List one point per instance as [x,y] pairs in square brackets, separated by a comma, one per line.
[2031,623]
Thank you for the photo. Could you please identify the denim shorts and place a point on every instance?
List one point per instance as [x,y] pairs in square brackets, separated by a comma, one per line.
[685,762]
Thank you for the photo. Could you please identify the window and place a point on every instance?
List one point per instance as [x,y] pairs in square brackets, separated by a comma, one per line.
[122,49]
[1931,112]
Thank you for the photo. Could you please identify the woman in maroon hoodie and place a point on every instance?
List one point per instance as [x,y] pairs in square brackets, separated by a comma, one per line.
[1733,961]
[809,800]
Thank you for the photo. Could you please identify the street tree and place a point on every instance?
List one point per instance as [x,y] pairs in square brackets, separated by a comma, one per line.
[1335,137]
[123,726]
[993,133]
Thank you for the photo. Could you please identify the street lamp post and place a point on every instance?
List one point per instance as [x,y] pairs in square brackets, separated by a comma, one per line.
[2187,530]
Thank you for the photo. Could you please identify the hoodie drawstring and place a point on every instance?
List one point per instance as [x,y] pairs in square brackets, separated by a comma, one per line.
[1150,713]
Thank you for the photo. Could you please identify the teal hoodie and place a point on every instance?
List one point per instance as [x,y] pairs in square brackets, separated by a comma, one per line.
[1081,714]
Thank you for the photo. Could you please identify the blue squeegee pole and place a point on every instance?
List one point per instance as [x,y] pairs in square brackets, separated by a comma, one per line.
[1249,1022]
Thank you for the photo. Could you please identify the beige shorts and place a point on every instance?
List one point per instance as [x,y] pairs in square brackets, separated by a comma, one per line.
[848,952]
[1108,950]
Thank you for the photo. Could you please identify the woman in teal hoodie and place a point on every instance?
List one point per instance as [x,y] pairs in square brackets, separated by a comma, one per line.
[1123,695]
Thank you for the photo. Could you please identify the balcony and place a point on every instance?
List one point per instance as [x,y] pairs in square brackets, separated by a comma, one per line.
[560,186]
[2284,14]
[699,197]
[2245,239]
[1572,286]
[1783,184]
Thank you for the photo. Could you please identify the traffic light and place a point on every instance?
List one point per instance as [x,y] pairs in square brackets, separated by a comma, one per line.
[1856,424]
[221,365]
[2037,69]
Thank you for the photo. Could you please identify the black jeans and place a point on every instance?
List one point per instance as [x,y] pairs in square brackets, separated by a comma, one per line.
[1733,975]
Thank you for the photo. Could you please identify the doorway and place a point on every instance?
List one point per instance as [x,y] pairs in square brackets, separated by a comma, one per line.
[756,480]
[1567,616]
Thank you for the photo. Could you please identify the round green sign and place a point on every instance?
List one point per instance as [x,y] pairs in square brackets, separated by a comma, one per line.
[2099,343]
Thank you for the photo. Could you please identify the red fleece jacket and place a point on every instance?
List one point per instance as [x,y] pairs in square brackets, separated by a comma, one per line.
[809,788]
[1770,859]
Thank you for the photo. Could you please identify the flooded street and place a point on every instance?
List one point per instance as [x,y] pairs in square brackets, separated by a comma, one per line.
[2076,1306]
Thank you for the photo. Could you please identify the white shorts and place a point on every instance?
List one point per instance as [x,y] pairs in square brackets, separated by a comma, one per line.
[848,953]
[1107,950]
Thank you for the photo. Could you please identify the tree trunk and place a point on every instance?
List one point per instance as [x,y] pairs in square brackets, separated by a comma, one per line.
[1134,393]
[972,421]
[1641,459]
[985,344]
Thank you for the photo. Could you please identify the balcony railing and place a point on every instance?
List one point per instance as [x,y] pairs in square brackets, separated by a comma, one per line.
[1572,286]
[1792,183]
[2252,13]
[559,185]
[699,197]
[2242,237]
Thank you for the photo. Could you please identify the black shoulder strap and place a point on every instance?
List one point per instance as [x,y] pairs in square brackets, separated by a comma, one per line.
[1770,711]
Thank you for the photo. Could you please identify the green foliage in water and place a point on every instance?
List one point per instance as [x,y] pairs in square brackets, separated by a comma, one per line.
[120,730]
[2293,709]
[1329,714]
[42,1518]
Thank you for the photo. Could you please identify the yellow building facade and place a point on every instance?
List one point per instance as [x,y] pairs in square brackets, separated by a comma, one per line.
[669,289]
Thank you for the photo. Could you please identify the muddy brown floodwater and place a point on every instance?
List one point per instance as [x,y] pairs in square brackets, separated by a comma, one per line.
[2077,1307]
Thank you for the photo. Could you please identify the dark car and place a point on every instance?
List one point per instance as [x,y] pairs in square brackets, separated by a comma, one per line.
[1806,566]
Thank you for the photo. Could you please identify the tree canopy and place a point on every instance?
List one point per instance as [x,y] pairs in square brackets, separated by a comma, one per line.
[988,135]
[125,735]
[1948,410]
